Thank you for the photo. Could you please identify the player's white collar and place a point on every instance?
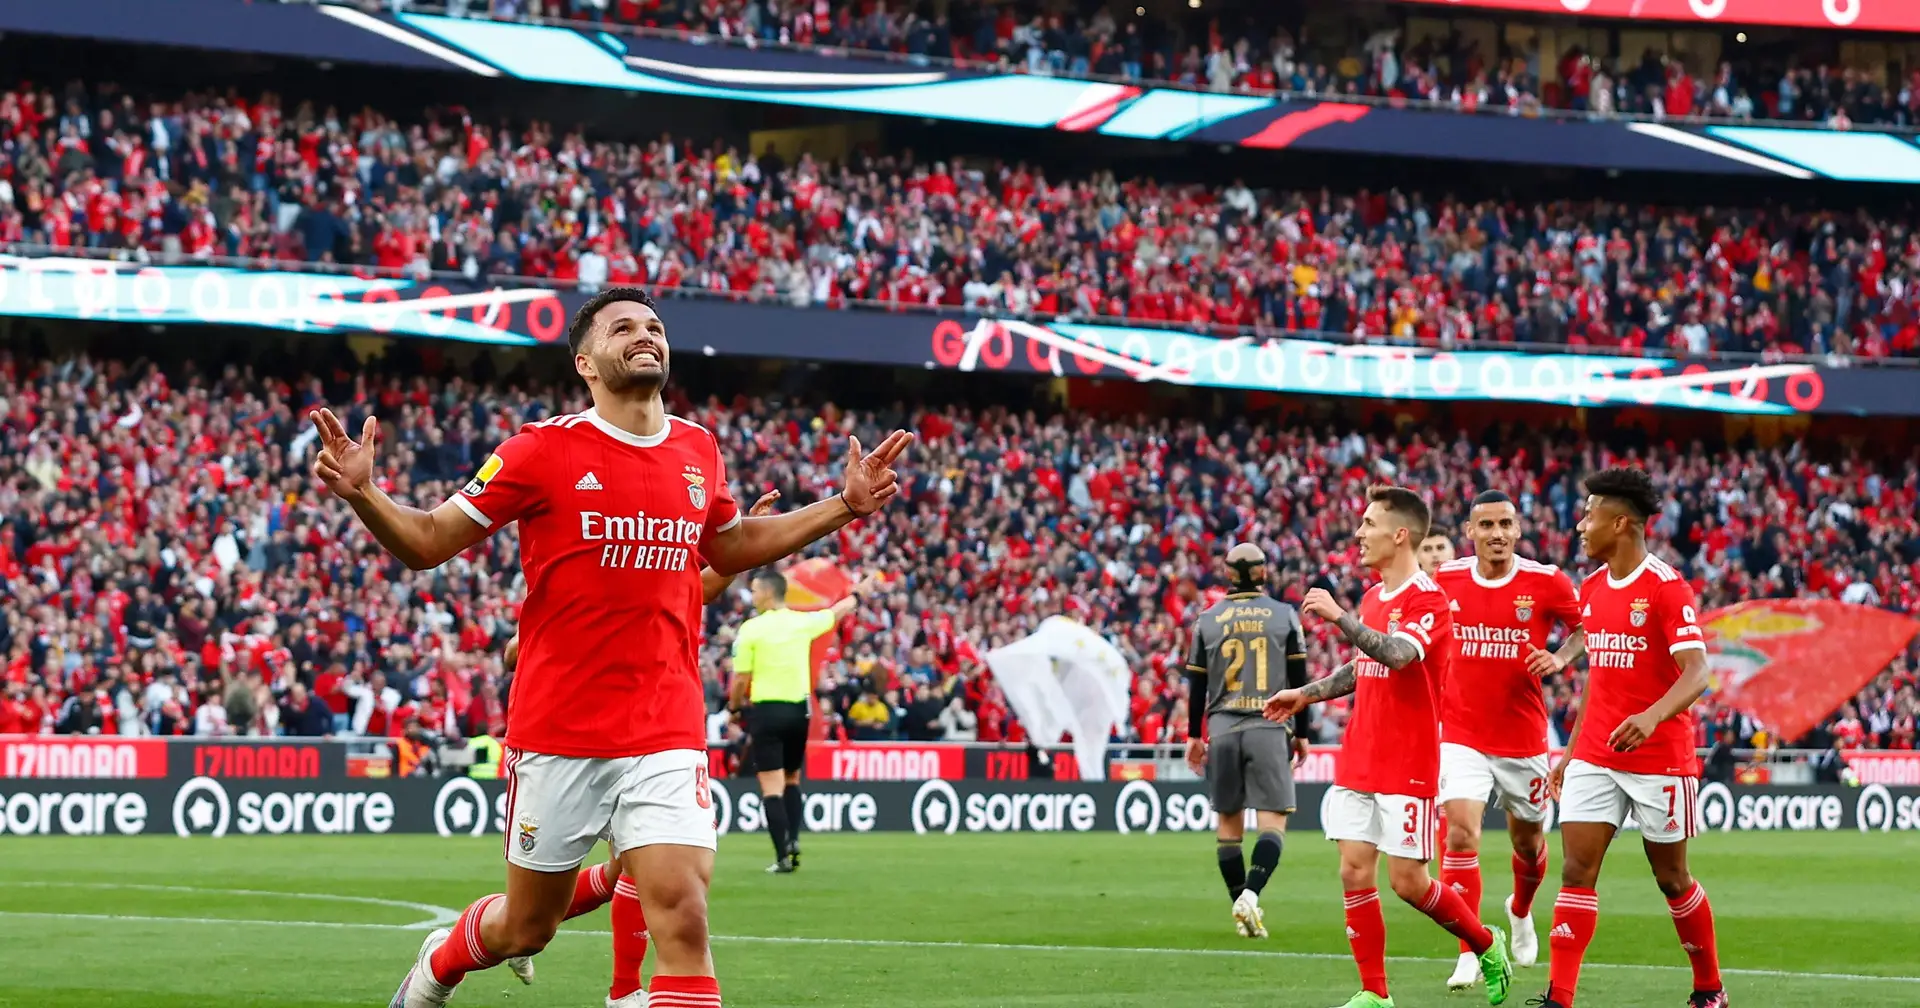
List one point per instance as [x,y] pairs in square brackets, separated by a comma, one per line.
[1645,562]
[628,437]
[1388,596]
[1513,571]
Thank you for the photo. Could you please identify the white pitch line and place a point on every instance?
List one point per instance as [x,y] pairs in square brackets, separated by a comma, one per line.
[436,915]
[984,946]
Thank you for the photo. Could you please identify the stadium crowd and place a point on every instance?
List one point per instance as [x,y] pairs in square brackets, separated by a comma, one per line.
[1256,51]
[271,183]
[172,568]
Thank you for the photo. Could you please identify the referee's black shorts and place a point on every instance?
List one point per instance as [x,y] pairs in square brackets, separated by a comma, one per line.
[778,729]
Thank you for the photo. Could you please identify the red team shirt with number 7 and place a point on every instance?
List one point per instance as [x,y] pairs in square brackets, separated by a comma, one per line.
[1635,627]
[1490,702]
[611,531]
[1392,742]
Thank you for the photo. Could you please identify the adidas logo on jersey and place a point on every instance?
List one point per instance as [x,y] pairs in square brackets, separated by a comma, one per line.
[1671,825]
[1561,931]
[1588,611]
[588,482]
[1454,604]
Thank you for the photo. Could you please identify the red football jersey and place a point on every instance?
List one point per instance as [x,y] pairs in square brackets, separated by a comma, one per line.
[1634,628]
[611,528]
[1490,702]
[1392,744]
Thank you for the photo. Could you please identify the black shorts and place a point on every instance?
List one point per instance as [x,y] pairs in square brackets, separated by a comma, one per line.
[779,733]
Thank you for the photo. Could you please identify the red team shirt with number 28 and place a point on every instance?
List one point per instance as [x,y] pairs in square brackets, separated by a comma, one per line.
[1635,628]
[611,530]
[1392,743]
[1490,702]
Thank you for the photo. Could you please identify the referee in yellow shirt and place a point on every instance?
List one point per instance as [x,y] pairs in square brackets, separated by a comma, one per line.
[773,672]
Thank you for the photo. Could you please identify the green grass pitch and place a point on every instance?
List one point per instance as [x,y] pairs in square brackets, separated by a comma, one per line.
[891,920]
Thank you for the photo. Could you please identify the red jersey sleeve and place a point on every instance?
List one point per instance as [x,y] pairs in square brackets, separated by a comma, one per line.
[1677,614]
[1563,603]
[507,486]
[724,513]
[1426,618]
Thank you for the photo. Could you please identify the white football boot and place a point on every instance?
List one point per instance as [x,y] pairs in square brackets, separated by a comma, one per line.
[1526,943]
[420,989]
[522,967]
[1247,916]
[1466,972]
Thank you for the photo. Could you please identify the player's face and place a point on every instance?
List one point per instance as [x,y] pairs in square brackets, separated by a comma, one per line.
[1494,528]
[1379,535]
[626,350]
[1600,527]
[1434,551]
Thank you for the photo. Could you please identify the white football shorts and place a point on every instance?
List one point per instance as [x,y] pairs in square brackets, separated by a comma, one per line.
[559,806]
[1519,783]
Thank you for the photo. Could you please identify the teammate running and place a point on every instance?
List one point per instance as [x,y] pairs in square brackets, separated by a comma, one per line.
[1493,715]
[1382,799]
[1647,664]
[1237,642]
[617,507]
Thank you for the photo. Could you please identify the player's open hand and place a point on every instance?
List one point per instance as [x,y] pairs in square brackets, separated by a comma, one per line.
[1633,731]
[1542,662]
[1285,704]
[1557,779]
[1197,755]
[1320,603]
[1300,750]
[870,479]
[764,506]
[344,465]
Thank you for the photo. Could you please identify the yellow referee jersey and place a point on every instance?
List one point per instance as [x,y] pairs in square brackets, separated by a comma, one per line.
[776,648]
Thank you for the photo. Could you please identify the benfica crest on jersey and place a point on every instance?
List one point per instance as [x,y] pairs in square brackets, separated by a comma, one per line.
[529,831]
[1639,615]
[1523,608]
[696,487]
[1393,621]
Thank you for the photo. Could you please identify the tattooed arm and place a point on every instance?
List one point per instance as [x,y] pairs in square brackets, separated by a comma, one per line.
[1392,650]
[1574,649]
[1288,702]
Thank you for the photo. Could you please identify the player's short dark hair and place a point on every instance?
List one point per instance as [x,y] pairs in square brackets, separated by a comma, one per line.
[1407,504]
[1491,497]
[1630,486]
[775,581]
[583,319]
[1434,533]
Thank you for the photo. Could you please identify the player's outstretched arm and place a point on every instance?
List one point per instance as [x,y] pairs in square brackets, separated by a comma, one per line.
[420,539]
[755,542]
[713,584]
[1289,702]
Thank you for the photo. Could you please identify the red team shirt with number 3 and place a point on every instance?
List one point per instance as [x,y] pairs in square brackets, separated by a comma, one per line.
[1491,703]
[611,530]
[1635,628]
[1392,743]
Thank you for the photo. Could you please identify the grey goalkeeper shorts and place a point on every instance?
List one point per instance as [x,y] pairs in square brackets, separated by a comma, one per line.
[1251,769]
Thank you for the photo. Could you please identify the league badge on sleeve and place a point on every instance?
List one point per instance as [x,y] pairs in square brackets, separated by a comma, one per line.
[488,470]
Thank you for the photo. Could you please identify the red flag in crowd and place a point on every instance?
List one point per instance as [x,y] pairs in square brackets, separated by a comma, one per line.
[1791,662]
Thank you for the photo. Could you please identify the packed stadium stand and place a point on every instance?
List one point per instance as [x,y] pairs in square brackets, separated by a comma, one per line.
[275,182]
[1379,52]
[172,569]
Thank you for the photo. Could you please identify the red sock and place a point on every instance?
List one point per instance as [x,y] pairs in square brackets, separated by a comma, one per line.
[684,992]
[1576,913]
[629,939]
[1693,919]
[592,888]
[1367,933]
[463,952]
[1460,871]
[1527,876]
[1450,911]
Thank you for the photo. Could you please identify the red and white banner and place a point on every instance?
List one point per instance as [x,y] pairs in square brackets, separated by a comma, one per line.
[58,756]
[1792,662]
[885,761]
[1857,15]
[1886,767]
